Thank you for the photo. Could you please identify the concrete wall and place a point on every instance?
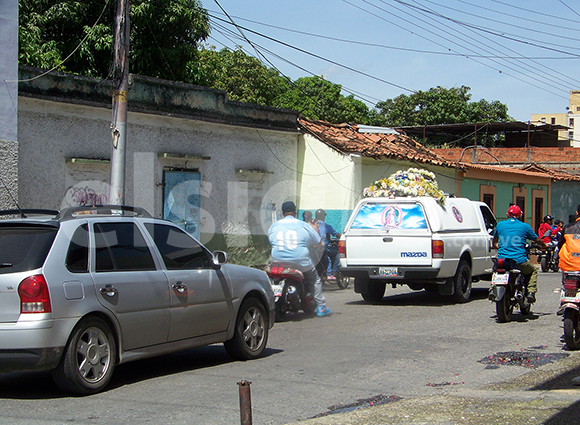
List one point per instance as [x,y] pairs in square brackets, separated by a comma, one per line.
[9,103]
[565,199]
[239,166]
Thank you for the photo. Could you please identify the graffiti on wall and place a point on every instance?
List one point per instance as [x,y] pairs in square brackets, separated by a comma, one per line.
[86,193]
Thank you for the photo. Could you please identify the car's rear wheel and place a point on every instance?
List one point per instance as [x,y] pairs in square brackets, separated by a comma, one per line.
[374,293]
[89,358]
[251,333]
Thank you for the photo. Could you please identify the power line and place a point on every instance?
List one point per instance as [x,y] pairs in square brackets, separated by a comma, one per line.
[383,46]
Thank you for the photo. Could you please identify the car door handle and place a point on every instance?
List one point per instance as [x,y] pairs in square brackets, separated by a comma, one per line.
[388,239]
[179,287]
[109,290]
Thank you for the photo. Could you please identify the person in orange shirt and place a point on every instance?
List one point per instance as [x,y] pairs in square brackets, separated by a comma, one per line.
[569,246]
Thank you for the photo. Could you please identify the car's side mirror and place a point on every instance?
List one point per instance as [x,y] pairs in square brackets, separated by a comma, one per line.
[219,258]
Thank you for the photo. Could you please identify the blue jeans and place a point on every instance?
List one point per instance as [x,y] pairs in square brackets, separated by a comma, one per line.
[314,285]
[333,259]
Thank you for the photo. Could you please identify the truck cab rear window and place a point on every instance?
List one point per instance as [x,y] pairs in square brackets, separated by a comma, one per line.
[390,216]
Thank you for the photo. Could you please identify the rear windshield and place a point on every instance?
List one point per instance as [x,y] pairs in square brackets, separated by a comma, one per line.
[389,216]
[24,248]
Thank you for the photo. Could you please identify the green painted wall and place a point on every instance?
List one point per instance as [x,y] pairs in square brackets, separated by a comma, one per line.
[470,188]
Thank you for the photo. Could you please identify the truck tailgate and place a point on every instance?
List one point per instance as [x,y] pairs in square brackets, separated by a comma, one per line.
[388,250]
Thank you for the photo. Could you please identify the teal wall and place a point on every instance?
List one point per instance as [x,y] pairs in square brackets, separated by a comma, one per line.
[336,218]
[504,195]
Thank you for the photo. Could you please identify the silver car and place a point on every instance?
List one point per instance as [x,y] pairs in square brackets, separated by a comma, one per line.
[92,287]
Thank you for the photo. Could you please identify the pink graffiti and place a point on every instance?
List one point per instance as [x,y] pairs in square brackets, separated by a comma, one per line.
[87,196]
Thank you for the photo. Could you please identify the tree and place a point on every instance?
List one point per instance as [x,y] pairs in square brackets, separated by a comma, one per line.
[164,35]
[244,77]
[319,99]
[440,106]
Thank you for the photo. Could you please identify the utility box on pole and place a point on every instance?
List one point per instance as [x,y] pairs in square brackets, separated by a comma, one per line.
[121,86]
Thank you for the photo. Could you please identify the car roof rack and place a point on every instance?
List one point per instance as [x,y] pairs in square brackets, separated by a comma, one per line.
[25,212]
[104,210]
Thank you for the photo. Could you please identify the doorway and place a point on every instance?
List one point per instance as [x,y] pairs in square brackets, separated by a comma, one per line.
[181,199]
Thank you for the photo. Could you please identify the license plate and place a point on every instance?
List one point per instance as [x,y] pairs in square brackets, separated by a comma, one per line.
[570,296]
[500,278]
[277,290]
[388,271]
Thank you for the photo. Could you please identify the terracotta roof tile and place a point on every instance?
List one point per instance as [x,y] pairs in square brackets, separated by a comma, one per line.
[347,139]
[561,163]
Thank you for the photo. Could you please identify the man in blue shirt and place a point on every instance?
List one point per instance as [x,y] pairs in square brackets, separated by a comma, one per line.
[325,229]
[512,235]
[291,239]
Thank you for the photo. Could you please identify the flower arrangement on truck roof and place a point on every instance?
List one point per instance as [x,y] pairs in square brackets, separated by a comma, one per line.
[412,182]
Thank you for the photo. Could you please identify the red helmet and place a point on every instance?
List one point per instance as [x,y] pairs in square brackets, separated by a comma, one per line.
[514,211]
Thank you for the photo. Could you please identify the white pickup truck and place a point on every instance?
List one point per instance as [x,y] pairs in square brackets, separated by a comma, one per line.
[418,242]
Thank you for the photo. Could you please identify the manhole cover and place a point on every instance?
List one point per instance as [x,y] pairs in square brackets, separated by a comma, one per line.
[524,358]
[360,404]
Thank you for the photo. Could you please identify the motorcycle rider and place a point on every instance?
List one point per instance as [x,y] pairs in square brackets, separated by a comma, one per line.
[291,239]
[546,230]
[569,245]
[325,229]
[512,235]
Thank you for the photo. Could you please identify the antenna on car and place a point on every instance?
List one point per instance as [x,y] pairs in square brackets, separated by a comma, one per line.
[22,215]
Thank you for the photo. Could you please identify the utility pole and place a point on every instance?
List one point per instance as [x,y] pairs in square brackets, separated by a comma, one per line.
[121,85]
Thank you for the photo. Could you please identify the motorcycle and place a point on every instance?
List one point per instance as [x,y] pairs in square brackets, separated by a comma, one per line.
[570,308]
[547,259]
[289,289]
[340,280]
[508,289]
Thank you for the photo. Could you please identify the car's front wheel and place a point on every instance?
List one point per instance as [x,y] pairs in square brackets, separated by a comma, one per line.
[251,334]
[89,358]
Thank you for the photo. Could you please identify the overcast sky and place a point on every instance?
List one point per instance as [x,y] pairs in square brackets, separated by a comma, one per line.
[524,53]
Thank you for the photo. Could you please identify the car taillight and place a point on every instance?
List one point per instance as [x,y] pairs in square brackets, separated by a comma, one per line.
[34,297]
[342,248]
[437,249]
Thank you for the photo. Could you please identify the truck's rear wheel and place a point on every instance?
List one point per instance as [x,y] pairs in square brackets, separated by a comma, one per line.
[462,283]
[374,292]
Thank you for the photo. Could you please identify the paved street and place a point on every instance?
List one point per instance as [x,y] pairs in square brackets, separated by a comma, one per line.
[414,344]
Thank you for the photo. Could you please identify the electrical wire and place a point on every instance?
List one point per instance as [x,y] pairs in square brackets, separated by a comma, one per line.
[541,74]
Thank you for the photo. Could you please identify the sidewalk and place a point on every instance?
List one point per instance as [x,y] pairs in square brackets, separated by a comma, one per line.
[542,396]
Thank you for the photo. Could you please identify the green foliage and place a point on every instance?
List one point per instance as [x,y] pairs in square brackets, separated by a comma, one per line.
[319,99]
[440,106]
[242,76]
[164,35]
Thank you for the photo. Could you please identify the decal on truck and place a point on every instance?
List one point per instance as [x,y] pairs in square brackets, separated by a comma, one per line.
[389,216]
[414,254]
[457,214]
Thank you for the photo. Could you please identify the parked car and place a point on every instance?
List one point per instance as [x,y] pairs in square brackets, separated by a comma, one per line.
[92,287]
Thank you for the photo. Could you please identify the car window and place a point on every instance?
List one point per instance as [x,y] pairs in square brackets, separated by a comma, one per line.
[121,246]
[77,257]
[178,249]
[24,248]
[489,219]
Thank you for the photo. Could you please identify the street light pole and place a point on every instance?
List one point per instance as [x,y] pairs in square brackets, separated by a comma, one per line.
[121,85]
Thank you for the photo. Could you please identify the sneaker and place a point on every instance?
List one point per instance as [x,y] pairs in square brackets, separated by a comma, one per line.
[322,311]
[331,278]
[531,298]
